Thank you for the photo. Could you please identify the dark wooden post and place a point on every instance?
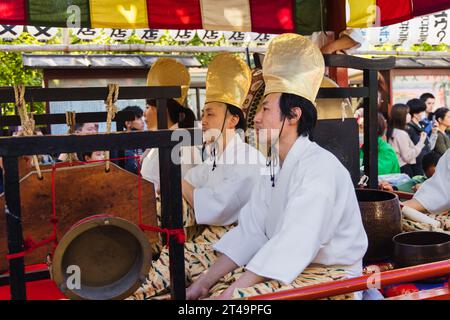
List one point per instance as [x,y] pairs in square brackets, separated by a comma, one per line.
[14,227]
[370,128]
[171,208]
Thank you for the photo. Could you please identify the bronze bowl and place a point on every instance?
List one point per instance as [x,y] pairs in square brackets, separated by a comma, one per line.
[420,247]
[381,217]
[110,256]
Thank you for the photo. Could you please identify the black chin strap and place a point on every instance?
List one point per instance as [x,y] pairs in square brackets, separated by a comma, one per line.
[272,160]
[215,143]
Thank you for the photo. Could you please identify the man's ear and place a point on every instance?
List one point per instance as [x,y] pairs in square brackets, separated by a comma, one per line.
[296,114]
[233,121]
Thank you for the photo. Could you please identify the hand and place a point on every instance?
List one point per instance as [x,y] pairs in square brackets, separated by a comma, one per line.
[386,186]
[423,136]
[416,187]
[197,291]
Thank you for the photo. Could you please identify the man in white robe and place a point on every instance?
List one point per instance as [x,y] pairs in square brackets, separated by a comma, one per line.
[220,186]
[307,213]
[434,194]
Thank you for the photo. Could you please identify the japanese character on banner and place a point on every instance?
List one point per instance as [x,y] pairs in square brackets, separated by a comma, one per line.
[9,32]
[439,28]
[209,36]
[182,35]
[261,38]
[86,33]
[149,35]
[236,36]
[119,34]
[42,33]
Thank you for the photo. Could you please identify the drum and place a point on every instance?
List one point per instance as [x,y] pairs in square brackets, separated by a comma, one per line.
[101,258]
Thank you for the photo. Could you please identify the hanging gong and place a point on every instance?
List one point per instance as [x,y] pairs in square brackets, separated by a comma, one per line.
[101,258]
[81,191]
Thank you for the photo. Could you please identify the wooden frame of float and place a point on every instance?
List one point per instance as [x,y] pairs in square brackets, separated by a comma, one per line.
[12,148]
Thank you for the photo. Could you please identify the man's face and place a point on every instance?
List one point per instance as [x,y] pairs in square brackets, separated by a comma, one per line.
[213,120]
[151,117]
[137,124]
[268,120]
[430,105]
[430,171]
[89,128]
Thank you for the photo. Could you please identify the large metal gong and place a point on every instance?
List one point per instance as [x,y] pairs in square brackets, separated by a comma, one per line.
[109,255]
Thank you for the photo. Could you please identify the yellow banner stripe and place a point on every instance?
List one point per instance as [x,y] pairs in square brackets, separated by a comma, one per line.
[362,13]
[119,14]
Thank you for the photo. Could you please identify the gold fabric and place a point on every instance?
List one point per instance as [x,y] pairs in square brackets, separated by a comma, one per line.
[293,64]
[170,72]
[199,257]
[410,225]
[228,80]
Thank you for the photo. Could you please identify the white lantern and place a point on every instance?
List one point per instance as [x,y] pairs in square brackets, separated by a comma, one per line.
[182,35]
[149,35]
[9,32]
[439,28]
[42,33]
[209,36]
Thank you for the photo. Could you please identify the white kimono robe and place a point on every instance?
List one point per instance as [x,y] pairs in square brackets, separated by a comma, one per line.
[190,157]
[434,195]
[219,194]
[310,216]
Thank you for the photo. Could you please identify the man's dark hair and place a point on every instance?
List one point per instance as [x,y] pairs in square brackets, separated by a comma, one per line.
[425,96]
[177,113]
[440,113]
[308,119]
[429,160]
[137,111]
[235,111]
[416,106]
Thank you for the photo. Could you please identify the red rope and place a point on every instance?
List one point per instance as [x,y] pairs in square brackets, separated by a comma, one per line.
[30,245]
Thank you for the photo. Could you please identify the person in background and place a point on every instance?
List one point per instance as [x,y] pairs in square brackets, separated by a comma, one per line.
[86,128]
[442,116]
[93,156]
[398,137]
[415,129]
[132,164]
[387,158]
[81,129]
[427,121]
[429,163]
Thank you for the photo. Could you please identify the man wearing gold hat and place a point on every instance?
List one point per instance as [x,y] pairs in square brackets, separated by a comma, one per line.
[220,186]
[169,72]
[302,225]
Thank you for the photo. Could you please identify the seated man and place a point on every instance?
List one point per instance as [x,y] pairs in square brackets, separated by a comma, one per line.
[433,198]
[306,215]
[220,186]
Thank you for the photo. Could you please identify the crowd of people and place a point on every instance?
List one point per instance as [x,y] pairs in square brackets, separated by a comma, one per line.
[410,142]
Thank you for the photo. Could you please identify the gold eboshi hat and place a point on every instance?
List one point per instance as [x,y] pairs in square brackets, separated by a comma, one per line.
[293,64]
[228,80]
[170,72]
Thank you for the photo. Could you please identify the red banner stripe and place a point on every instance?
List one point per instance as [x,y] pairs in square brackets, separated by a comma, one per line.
[270,16]
[174,14]
[13,12]
[394,11]
[421,7]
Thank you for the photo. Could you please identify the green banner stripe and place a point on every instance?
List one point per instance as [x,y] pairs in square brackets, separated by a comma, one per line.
[57,13]
[310,16]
